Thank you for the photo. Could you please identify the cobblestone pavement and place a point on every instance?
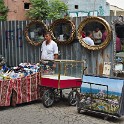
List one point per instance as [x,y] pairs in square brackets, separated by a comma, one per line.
[59,113]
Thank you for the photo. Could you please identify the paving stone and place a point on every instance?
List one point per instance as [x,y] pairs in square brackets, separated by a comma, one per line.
[60,113]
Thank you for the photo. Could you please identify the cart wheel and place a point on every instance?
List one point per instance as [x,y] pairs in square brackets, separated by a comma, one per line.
[79,110]
[13,98]
[48,98]
[73,97]
[106,117]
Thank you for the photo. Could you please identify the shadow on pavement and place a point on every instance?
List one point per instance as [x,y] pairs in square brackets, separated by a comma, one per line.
[104,117]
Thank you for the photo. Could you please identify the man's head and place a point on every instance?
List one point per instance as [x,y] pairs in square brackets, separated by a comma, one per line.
[97,29]
[48,37]
[88,34]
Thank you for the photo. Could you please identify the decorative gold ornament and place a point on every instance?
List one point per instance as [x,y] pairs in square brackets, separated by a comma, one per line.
[94,20]
[61,27]
[28,31]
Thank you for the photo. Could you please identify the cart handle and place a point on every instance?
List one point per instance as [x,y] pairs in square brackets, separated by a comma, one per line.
[84,69]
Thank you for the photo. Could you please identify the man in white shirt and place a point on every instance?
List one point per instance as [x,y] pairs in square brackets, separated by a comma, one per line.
[88,39]
[97,34]
[49,50]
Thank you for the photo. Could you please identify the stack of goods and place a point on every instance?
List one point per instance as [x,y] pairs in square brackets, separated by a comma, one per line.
[24,69]
[2,60]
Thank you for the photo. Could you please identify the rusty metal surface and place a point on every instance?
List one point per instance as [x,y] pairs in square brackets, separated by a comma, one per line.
[15,48]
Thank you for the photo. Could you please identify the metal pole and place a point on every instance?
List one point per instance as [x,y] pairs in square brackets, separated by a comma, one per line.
[59,72]
[94,7]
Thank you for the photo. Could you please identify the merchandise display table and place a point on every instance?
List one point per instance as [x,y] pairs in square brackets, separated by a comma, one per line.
[25,89]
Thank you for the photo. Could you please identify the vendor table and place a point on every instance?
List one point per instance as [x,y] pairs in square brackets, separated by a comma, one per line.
[25,90]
